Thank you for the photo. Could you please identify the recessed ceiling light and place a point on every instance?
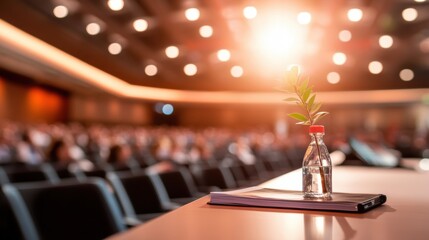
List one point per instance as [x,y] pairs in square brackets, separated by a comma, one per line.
[237,71]
[375,67]
[93,28]
[339,58]
[250,12]
[345,36]
[192,14]
[385,41]
[115,5]
[409,14]
[140,25]
[60,11]
[115,48]
[206,31]
[151,70]
[190,69]
[406,74]
[172,52]
[333,77]
[223,55]
[355,14]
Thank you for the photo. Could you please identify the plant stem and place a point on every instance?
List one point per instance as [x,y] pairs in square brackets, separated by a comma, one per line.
[321,170]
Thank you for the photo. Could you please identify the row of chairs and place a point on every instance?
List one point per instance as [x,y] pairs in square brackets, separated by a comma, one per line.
[38,207]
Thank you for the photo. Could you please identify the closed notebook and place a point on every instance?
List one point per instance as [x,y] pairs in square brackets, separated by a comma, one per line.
[276,198]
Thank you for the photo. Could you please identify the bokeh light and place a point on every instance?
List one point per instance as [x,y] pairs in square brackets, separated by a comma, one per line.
[375,67]
[250,12]
[115,48]
[192,14]
[385,41]
[206,31]
[339,58]
[60,11]
[223,55]
[115,5]
[172,51]
[93,28]
[355,14]
[190,69]
[333,77]
[345,36]
[140,25]
[304,18]
[151,70]
[406,74]
[237,71]
[409,14]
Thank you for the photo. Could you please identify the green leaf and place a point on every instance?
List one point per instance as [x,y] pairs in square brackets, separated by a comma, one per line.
[315,108]
[298,116]
[304,123]
[306,94]
[291,99]
[319,115]
[311,101]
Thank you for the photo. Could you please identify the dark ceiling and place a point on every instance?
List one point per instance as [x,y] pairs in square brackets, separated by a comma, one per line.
[168,26]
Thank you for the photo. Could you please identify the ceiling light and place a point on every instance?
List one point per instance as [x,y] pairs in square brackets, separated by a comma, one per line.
[172,52]
[339,58]
[206,31]
[237,71]
[355,15]
[375,67]
[190,69]
[409,14]
[304,18]
[60,11]
[333,77]
[345,36]
[140,25]
[192,14]
[223,55]
[93,28]
[115,48]
[151,70]
[406,74]
[115,5]
[385,41]
[250,12]
[167,109]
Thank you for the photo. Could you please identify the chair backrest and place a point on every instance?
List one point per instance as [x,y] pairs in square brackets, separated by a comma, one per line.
[28,173]
[145,192]
[179,183]
[67,210]
[220,177]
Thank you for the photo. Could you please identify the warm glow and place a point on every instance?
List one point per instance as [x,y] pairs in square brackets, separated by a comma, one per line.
[385,41]
[345,36]
[140,25]
[333,77]
[115,5]
[60,11]
[409,14]
[115,48]
[93,28]
[250,12]
[278,40]
[375,67]
[304,18]
[237,71]
[223,55]
[151,70]
[190,69]
[206,31]
[406,74]
[39,51]
[339,58]
[192,14]
[172,52]
[355,15]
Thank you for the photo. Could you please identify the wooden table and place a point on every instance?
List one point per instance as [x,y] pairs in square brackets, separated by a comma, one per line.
[405,215]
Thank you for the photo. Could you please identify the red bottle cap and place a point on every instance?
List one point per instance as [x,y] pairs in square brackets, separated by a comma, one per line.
[317,129]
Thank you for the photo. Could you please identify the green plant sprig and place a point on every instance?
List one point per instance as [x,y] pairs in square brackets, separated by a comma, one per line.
[296,84]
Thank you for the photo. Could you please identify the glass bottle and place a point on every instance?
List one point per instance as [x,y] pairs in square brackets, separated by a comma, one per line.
[317,166]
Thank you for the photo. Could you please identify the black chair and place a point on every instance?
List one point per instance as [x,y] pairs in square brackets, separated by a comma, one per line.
[66,210]
[220,177]
[3,177]
[180,186]
[30,173]
[141,196]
